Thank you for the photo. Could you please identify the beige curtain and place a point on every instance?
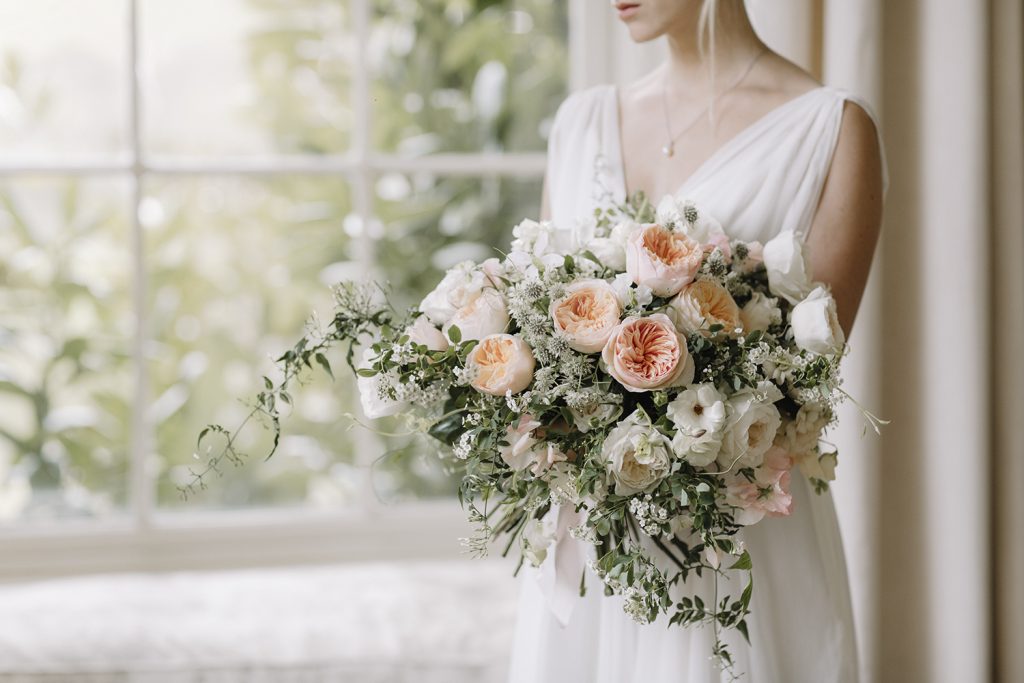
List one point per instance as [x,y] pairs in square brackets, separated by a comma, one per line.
[931,512]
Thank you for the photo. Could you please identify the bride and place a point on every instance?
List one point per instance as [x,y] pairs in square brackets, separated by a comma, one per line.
[764,148]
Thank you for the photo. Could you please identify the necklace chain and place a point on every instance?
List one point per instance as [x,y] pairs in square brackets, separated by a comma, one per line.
[669,149]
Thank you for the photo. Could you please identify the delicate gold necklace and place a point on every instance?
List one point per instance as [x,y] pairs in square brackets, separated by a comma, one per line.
[669,148]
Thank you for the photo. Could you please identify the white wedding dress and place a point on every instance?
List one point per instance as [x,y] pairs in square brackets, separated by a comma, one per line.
[765,180]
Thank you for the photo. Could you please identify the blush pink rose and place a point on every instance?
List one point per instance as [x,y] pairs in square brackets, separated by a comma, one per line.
[768,495]
[527,449]
[501,363]
[646,354]
[587,314]
[663,260]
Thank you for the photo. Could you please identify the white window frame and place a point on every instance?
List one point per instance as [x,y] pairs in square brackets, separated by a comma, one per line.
[145,539]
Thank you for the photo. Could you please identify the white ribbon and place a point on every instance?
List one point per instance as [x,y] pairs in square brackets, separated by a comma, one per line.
[559,576]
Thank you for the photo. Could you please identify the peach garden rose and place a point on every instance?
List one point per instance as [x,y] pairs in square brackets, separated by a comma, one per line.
[646,354]
[587,314]
[704,303]
[661,259]
[501,363]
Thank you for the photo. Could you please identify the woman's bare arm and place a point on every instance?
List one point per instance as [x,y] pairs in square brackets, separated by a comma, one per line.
[845,229]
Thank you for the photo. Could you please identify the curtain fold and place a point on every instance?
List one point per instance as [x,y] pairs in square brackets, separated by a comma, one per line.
[1006,140]
[932,513]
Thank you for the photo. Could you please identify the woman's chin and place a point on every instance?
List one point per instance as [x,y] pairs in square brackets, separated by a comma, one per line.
[641,33]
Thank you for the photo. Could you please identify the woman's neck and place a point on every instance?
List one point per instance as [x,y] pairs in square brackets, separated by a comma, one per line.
[735,44]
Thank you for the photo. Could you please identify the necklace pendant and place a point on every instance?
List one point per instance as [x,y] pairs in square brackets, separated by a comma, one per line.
[669,150]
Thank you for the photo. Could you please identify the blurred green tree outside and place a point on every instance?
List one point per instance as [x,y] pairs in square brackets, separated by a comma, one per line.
[234,264]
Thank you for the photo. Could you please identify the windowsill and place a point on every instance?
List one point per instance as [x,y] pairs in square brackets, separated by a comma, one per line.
[221,540]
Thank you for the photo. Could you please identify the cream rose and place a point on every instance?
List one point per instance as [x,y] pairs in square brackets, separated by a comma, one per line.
[760,313]
[587,314]
[816,324]
[645,354]
[751,427]
[636,454]
[663,260]
[458,287]
[786,262]
[704,303]
[423,333]
[699,415]
[501,363]
[484,315]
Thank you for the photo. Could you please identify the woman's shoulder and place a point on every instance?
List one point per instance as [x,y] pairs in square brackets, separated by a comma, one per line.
[578,111]
[582,102]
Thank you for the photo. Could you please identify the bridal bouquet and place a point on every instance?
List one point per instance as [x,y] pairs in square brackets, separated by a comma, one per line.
[651,374]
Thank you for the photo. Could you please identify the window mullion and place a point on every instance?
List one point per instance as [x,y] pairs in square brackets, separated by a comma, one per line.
[363,247]
[141,486]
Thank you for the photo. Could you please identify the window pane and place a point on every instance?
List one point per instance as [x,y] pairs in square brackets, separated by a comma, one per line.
[63,78]
[66,324]
[451,219]
[236,267]
[245,77]
[467,76]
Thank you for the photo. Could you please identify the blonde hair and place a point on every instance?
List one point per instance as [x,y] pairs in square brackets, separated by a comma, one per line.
[706,45]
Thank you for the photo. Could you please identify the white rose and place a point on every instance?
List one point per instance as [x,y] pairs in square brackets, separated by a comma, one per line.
[699,415]
[484,315]
[751,426]
[534,238]
[636,454]
[372,394]
[786,262]
[458,287]
[816,324]
[760,313]
[611,250]
[422,332]
[537,537]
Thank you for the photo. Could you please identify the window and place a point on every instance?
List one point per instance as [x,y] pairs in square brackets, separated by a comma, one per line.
[179,184]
